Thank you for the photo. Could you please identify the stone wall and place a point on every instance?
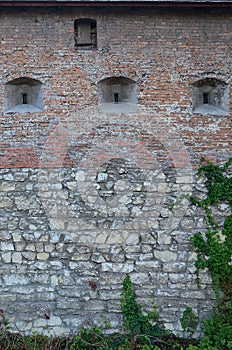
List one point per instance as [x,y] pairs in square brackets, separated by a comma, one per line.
[85,195]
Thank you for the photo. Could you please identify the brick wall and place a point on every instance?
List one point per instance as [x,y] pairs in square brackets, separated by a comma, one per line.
[85,195]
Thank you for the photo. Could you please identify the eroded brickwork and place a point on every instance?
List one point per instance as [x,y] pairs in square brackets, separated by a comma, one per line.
[86,196]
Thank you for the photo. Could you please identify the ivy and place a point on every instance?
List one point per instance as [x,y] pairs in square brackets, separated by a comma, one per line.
[135,321]
[214,247]
[189,322]
[214,252]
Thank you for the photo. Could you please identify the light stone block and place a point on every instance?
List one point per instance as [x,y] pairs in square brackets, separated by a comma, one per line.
[6,257]
[7,186]
[165,256]
[42,256]
[5,202]
[6,246]
[17,258]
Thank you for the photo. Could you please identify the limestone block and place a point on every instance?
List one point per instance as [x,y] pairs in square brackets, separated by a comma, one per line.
[24,326]
[195,295]
[6,246]
[41,238]
[17,258]
[174,266]
[117,267]
[110,295]
[85,268]
[43,322]
[49,248]
[6,257]
[56,264]
[8,177]
[163,238]
[24,293]
[54,237]
[59,247]
[32,227]
[163,188]
[140,278]
[142,266]
[30,247]
[57,330]
[132,239]
[7,186]
[95,305]
[165,256]
[117,257]
[39,247]
[187,223]
[17,237]
[39,277]
[80,257]
[12,279]
[80,176]
[169,224]
[97,257]
[70,248]
[13,223]
[71,185]
[165,213]
[29,255]
[6,298]
[23,224]
[185,179]
[146,248]
[42,256]
[146,256]
[40,265]
[21,175]
[54,281]
[5,202]
[27,202]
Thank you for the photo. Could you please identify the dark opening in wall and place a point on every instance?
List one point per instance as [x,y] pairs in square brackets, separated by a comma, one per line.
[23,95]
[205,97]
[24,99]
[85,34]
[210,96]
[116,99]
[117,94]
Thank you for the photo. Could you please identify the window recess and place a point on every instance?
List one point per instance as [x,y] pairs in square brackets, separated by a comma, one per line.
[85,34]
[210,96]
[23,95]
[117,95]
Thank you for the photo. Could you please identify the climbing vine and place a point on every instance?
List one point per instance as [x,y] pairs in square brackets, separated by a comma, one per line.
[135,320]
[214,247]
[214,252]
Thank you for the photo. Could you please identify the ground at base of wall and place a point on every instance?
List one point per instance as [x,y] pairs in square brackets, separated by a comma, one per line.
[93,339]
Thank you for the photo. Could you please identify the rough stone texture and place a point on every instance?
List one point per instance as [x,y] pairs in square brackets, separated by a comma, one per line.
[85,196]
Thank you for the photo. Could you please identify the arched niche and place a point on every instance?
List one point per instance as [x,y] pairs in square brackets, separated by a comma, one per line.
[23,95]
[210,96]
[117,95]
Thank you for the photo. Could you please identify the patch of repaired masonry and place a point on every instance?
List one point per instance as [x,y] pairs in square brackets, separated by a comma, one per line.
[118,187]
